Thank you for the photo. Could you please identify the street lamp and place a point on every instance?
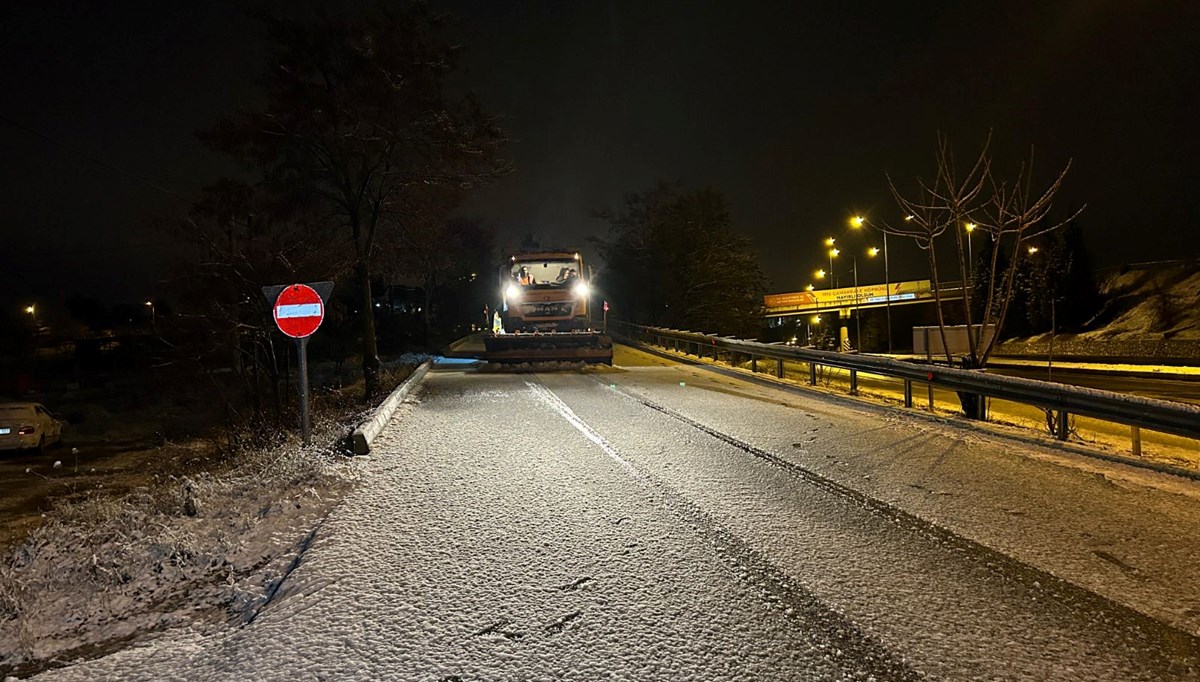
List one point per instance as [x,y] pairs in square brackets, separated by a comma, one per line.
[150,305]
[857,222]
[832,254]
[970,227]
[857,313]
[1033,250]
[809,288]
[30,309]
[815,319]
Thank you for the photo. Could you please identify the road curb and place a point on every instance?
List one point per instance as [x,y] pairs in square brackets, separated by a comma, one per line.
[369,430]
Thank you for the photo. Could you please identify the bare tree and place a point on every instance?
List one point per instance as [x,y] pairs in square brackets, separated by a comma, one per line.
[245,239]
[358,118]
[1009,213]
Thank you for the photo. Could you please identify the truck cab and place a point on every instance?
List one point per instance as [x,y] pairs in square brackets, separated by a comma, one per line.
[544,291]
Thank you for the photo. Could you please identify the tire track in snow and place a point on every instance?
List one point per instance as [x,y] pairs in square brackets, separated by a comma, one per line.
[832,632]
[1181,645]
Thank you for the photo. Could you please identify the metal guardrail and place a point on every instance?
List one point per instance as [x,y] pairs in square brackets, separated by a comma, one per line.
[1180,419]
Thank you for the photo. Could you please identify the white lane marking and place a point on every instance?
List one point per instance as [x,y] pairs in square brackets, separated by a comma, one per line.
[547,396]
[298,310]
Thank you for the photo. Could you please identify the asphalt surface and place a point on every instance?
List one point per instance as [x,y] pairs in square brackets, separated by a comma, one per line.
[663,522]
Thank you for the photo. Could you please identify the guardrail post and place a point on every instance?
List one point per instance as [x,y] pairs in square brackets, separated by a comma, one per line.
[812,374]
[1061,431]
[908,393]
[754,364]
[779,368]
[854,382]
[1135,433]
[930,386]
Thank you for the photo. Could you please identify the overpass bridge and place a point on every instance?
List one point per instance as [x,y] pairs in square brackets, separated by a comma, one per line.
[817,301]
[848,302]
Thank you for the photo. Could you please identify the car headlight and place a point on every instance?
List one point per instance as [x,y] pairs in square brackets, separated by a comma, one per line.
[513,292]
[581,290]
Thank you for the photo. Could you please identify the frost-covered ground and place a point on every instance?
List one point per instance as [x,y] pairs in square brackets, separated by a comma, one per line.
[663,522]
[201,551]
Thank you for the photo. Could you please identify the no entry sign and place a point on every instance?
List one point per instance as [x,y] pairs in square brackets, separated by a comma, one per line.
[299,310]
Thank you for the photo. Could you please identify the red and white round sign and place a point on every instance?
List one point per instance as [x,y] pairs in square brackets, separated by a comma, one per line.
[299,310]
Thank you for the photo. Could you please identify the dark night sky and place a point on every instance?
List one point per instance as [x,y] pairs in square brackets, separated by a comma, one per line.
[794,110]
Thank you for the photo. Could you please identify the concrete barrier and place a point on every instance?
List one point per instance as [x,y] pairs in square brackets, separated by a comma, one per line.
[367,431]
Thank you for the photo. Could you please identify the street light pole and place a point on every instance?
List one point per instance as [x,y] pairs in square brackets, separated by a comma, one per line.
[832,252]
[857,315]
[859,221]
[970,227]
[887,287]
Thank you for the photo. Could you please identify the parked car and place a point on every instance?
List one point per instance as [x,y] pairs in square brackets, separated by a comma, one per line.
[28,425]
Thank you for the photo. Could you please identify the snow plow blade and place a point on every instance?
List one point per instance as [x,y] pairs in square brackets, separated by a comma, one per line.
[592,347]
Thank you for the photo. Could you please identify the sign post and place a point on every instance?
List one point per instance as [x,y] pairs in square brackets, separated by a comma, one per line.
[299,309]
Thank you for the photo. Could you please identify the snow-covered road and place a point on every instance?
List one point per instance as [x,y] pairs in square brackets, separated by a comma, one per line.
[662,522]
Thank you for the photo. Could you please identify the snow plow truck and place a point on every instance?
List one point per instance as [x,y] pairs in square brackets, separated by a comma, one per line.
[545,312]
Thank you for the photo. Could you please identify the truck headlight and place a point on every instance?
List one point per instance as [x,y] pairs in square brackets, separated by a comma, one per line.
[512,292]
[581,290]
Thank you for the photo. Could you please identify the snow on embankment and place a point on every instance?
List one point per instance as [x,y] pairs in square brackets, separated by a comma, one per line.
[200,551]
[1149,312]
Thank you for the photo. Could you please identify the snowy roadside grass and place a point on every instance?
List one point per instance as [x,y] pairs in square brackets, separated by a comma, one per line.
[201,550]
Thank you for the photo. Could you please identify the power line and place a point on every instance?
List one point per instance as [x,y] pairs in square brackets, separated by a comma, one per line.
[93,159]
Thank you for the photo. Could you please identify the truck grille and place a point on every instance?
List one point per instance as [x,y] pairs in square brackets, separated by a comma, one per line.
[548,309]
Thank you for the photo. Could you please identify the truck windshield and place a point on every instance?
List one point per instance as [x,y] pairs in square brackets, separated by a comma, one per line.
[554,273]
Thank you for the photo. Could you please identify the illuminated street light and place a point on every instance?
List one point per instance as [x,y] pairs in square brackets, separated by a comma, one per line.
[30,309]
[859,221]
[820,274]
[809,288]
[857,311]
[815,319]
[832,252]
[970,227]
[829,241]
[1033,250]
[908,218]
